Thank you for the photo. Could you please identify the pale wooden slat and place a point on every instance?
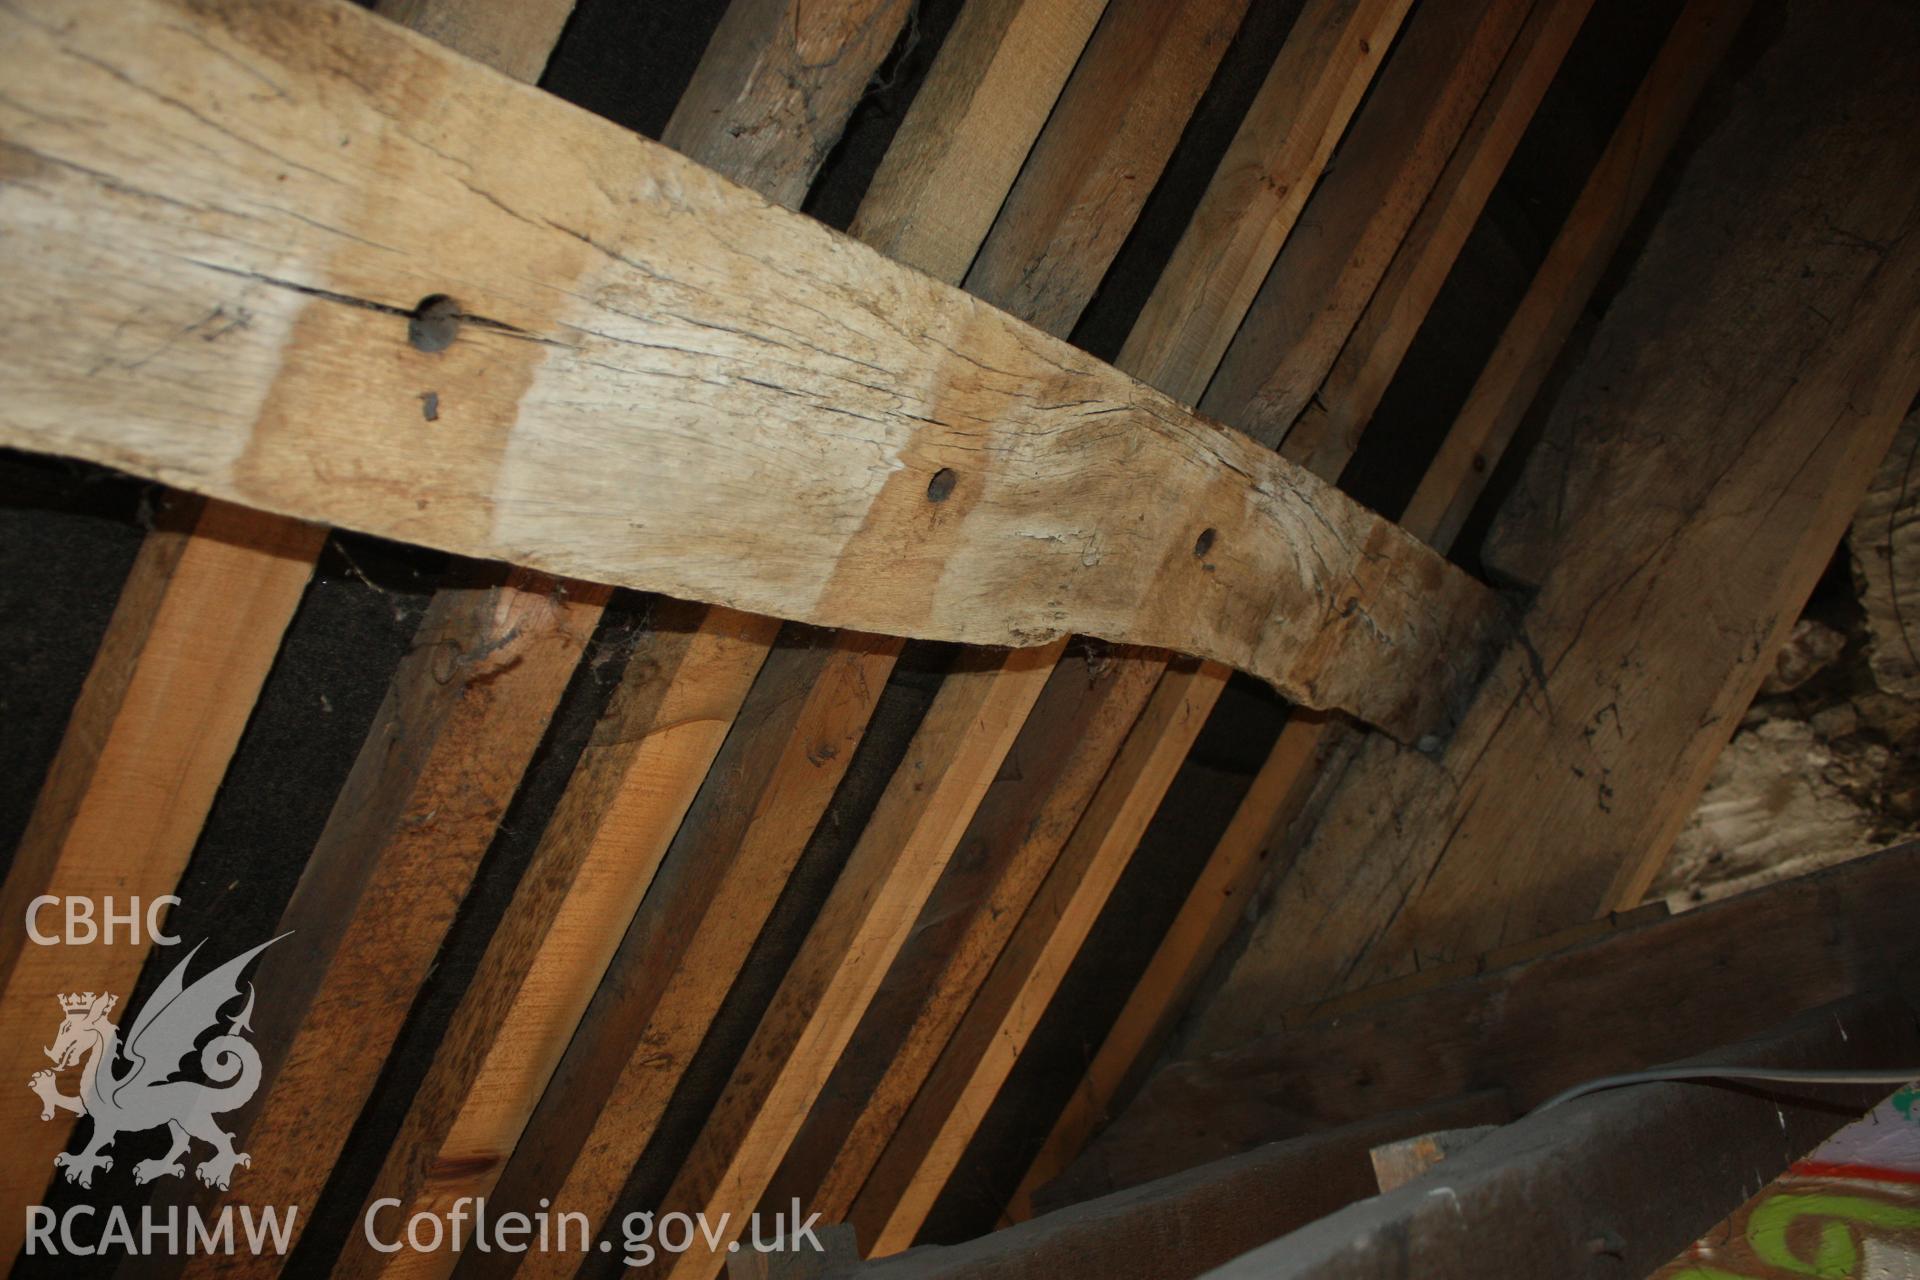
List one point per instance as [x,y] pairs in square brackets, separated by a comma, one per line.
[694,931]
[1323,440]
[684,688]
[1077,726]
[1359,215]
[561,932]
[948,1109]
[1330,425]
[1092,169]
[461,719]
[1649,636]
[913,830]
[1299,114]
[179,669]
[966,135]
[792,515]
[775,87]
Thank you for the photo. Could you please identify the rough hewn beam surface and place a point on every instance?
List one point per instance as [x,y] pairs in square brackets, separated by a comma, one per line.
[217,221]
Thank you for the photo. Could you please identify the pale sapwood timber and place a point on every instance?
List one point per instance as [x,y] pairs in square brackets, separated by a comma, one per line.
[768,407]
[146,746]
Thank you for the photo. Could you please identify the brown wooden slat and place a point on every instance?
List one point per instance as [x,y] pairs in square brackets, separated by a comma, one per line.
[1077,726]
[920,818]
[1328,429]
[1358,217]
[775,87]
[949,1107]
[1650,635]
[968,131]
[658,739]
[695,928]
[1324,440]
[1246,215]
[196,629]
[461,718]
[1092,169]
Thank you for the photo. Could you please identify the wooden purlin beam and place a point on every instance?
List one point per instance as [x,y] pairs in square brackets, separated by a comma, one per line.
[678,303]
[1324,438]
[1648,637]
[929,1140]
[177,674]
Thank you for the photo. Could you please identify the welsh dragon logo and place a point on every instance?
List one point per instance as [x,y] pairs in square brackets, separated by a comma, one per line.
[129,1087]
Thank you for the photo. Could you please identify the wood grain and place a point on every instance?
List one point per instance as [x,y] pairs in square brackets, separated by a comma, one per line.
[1329,427]
[1256,195]
[461,719]
[964,139]
[1077,726]
[802,494]
[683,689]
[189,645]
[1562,287]
[918,821]
[1361,212]
[1650,988]
[776,84]
[1092,169]
[514,37]
[933,1135]
[1744,321]
[1311,746]
[695,928]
